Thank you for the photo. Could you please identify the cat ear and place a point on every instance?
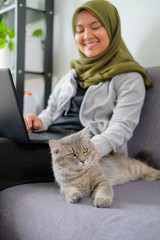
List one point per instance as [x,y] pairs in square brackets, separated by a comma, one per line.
[55,145]
[86,132]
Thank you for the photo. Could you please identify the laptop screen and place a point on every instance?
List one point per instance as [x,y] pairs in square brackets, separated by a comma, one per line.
[11,120]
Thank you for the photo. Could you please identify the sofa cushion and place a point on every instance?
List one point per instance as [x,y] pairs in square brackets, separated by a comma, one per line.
[38,212]
[147,133]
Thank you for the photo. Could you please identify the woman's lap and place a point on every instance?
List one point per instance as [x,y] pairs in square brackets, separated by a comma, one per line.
[24,163]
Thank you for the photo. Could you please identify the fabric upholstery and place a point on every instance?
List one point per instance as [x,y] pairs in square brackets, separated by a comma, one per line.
[147,133]
[39,212]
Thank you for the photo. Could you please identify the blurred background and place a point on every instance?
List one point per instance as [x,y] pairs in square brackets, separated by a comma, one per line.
[140,23]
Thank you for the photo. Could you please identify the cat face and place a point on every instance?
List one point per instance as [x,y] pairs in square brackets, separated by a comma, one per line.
[74,151]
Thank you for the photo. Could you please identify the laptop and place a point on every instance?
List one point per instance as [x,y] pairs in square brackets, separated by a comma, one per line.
[12,124]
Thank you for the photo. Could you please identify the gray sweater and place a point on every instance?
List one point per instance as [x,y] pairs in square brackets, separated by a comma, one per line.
[111,108]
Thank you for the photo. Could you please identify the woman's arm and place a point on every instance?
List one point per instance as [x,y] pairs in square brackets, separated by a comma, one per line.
[130,94]
[43,120]
[46,116]
[59,100]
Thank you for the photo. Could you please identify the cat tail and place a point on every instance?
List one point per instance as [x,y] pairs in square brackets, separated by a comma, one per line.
[145,156]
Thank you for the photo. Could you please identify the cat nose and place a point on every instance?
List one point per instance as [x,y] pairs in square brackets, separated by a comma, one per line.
[82,161]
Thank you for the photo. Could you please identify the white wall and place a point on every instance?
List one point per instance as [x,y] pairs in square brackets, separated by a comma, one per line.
[141,29]
[140,21]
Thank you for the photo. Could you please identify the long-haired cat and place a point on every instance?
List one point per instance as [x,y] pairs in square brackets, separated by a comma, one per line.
[78,173]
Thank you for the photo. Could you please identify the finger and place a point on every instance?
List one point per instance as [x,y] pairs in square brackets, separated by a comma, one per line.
[26,122]
[37,124]
[29,123]
[97,156]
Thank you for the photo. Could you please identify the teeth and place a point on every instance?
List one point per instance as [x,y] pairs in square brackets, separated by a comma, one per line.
[90,44]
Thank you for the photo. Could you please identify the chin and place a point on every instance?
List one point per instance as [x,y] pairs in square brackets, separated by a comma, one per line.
[91,55]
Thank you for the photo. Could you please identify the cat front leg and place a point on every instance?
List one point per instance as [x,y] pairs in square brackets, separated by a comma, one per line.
[72,194]
[103,194]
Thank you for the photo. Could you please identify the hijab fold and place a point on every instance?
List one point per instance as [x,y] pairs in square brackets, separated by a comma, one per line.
[116,59]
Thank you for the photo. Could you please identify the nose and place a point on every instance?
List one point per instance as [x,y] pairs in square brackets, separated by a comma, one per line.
[82,161]
[87,33]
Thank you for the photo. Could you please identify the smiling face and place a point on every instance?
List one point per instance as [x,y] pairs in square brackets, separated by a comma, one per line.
[91,37]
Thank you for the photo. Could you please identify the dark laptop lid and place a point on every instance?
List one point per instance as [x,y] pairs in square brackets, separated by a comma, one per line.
[11,120]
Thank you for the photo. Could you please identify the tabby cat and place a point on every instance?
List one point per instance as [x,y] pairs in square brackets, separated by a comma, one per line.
[78,173]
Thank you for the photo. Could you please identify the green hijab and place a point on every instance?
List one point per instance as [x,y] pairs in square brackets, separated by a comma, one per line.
[116,59]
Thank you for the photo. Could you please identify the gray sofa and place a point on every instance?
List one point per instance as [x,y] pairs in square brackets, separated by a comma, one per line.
[39,212]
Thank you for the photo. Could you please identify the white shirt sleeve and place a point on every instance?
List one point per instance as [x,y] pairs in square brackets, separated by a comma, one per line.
[130,94]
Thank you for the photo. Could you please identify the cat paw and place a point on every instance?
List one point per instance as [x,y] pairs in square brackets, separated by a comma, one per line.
[73,197]
[102,201]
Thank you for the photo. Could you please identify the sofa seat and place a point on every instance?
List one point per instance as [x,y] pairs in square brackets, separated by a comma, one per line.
[39,212]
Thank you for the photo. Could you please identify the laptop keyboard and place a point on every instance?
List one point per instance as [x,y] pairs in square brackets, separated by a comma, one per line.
[44,136]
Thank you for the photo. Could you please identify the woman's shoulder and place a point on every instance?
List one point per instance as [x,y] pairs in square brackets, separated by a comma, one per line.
[65,86]
[128,80]
[128,76]
[69,77]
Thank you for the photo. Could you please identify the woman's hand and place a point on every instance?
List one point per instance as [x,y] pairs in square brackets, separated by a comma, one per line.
[96,154]
[32,122]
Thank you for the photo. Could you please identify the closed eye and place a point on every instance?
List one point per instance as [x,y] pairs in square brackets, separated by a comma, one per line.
[72,155]
[93,25]
[79,29]
[85,150]
[96,25]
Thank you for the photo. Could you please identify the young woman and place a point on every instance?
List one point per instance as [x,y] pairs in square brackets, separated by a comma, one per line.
[105,89]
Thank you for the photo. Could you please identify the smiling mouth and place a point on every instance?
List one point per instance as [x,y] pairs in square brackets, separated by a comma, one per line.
[90,45]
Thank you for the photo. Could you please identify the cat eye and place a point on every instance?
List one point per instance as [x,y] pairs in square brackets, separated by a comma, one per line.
[85,150]
[72,155]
